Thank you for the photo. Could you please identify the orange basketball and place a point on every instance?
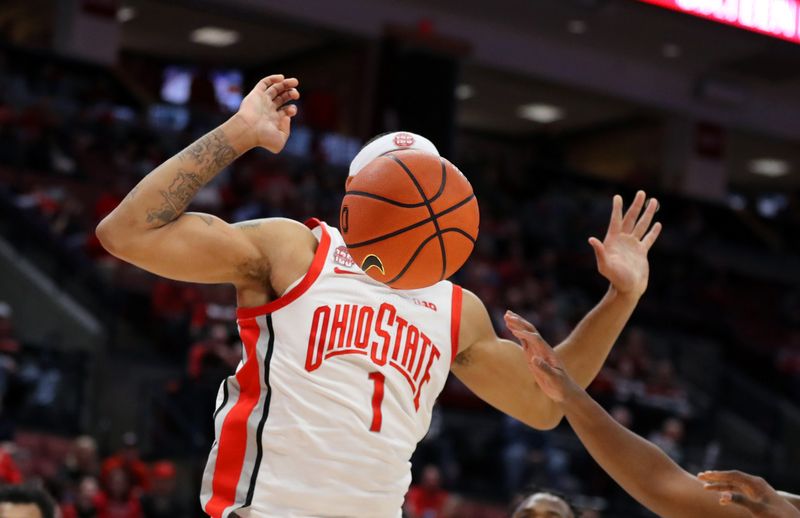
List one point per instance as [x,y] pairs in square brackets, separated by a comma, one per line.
[410,219]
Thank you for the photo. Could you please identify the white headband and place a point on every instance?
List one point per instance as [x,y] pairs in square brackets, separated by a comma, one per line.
[390,142]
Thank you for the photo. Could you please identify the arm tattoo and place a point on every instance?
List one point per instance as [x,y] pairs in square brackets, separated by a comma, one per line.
[202,161]
[176,197]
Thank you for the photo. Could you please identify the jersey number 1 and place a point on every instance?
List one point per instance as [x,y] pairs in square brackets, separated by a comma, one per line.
[377,399]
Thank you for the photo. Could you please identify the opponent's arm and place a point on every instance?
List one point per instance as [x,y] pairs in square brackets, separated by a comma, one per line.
[151,229]
[493,368]
[641,468]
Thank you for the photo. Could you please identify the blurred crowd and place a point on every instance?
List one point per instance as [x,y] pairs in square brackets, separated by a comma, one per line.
[71,146]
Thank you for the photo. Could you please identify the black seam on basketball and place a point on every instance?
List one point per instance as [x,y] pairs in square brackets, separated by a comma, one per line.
[265,413]
[413,225]
[422,245]
[390,201]
[430,210]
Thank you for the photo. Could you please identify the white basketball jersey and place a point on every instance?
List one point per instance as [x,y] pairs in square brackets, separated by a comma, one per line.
[335,389]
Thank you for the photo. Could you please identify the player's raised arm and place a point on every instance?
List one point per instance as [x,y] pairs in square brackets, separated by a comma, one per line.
[151,229]
[492,368]
[641,468]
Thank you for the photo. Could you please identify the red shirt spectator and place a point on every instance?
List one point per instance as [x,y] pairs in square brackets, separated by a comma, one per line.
[127,460]
[9,472]
[428,499]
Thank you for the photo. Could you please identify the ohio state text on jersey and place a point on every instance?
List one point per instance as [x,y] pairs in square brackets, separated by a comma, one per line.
[336,387]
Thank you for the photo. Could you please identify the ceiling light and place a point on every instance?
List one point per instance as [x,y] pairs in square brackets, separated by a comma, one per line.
[576,26]
[464,92]
[541,113]
[671,50]
[772,167]
[125,14]
[214,36]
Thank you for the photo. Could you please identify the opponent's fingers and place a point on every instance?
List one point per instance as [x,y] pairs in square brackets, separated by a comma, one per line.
[743,481]
[517,322]
[615,224]
[269,80]
[742,500]
[651,236]
[629,220]
[721,487]
[647,217]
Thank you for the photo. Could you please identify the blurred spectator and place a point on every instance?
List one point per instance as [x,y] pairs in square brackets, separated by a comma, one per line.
[81,462]
[162,501]
[123,501]
[89,501]
[529,457]
[664,390]
[544,504]
[427,499]
[25,502]
[126,460]
[9,472]
[216,356]
[669,438]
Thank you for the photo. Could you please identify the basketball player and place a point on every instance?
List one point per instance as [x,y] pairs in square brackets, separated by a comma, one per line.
[640,467]
[339,372]
[544,504]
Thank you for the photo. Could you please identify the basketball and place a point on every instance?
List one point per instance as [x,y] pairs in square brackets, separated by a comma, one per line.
[409,219]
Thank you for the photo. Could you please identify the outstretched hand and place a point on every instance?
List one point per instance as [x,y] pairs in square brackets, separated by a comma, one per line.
[266,113]
[749,492]
[622,255]
[545,366]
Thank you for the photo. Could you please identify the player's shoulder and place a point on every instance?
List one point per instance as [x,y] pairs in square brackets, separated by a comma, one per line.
[271,234]
[476,324]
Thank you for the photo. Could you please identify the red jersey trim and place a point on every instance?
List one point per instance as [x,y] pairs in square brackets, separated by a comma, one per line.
[308,279]
[455,321]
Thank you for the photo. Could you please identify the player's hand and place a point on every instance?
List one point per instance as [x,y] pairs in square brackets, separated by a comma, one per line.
[752,493]
[265,113]
[545,366]
[622,255]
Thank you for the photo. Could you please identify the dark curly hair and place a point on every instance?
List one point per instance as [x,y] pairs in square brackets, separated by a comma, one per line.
[536,490]
[28,494]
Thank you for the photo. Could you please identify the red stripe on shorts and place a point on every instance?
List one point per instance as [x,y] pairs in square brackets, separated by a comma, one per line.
[232,445]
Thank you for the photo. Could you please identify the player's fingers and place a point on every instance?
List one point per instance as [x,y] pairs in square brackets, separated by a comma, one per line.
[288,95]
[615,225]
[647,217]
[629,220]
[278,88]
[269,80]
[598,247]
[290,110]
[651,236]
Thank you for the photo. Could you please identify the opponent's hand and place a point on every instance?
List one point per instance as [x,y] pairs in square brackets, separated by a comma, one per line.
[752,493]
[545,366]
[265,113]
[622,255]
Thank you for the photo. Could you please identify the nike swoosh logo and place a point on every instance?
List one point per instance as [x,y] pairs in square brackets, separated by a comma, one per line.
[347,272]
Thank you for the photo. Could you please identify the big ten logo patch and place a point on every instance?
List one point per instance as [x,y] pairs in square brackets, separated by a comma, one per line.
[403,140]
[342,256]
